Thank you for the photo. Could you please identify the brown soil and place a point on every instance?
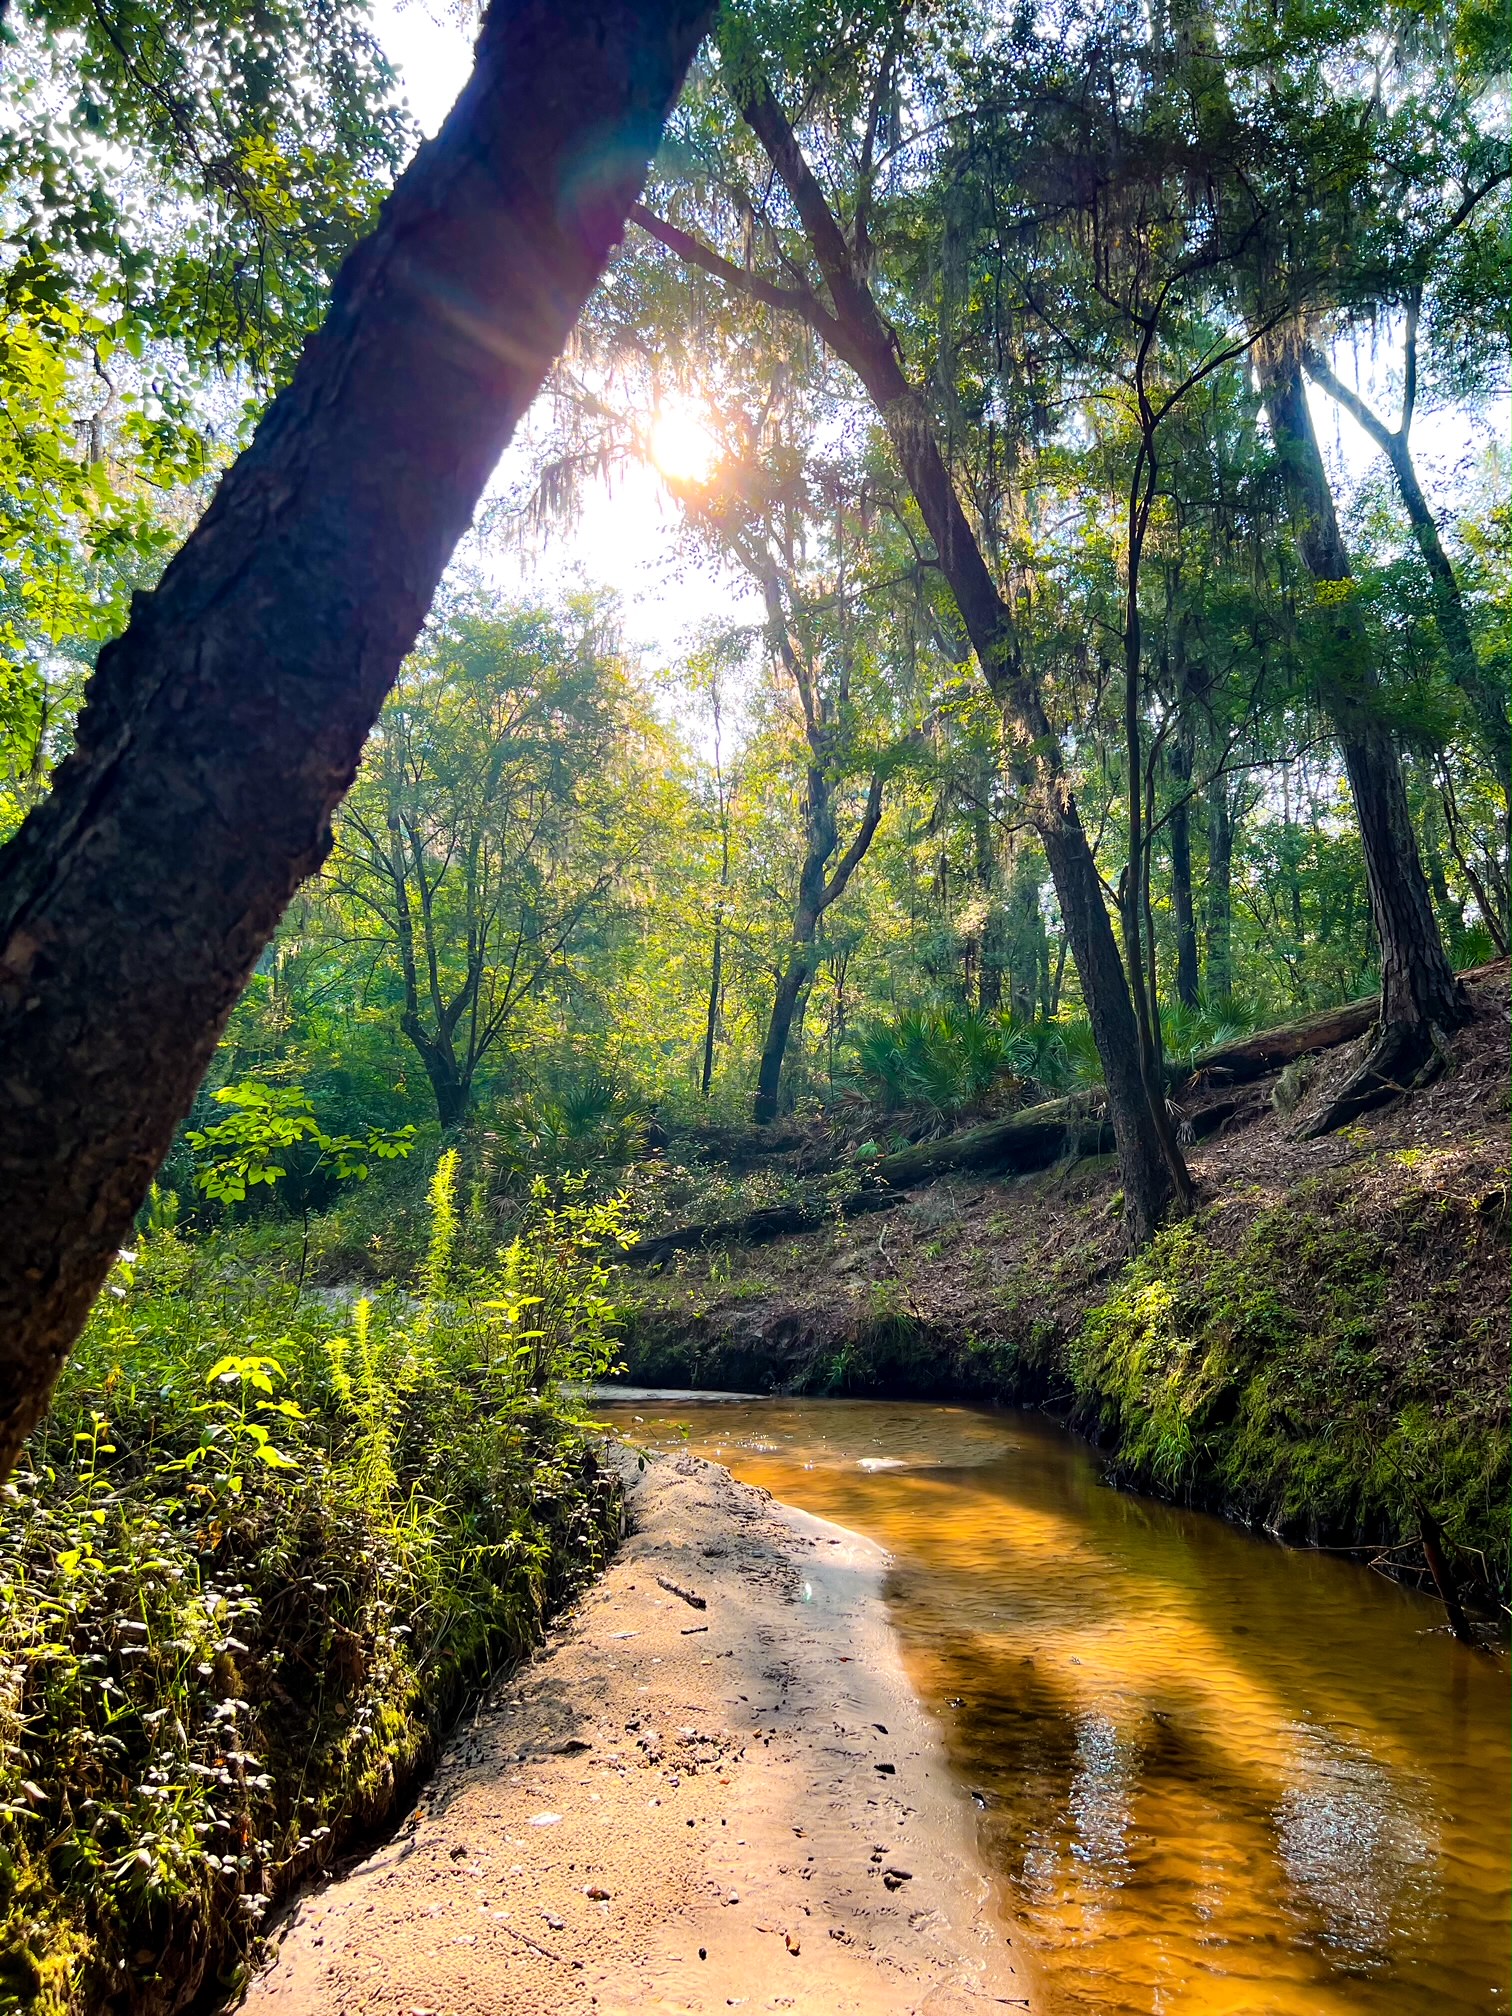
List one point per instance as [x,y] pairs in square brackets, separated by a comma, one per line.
[678,1808]
[970,1258]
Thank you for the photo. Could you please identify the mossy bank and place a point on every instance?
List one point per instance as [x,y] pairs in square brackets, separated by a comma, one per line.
[1321,1350]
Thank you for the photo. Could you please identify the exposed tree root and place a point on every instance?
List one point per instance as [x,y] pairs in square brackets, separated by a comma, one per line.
[1403,1058]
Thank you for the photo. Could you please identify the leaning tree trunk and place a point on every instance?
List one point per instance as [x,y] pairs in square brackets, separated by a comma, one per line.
[1419,992]
[222,729]
[857,333]
[1149,1182]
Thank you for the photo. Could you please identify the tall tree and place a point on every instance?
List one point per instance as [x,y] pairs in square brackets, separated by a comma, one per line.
[1286,156]
[498,807]
[1481,684]
[847,318]
[851,667]
[223,727]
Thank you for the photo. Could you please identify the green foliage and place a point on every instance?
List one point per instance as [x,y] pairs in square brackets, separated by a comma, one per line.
[1188,1031]
[232,1437]
[947,1060]
[441,1249]
[257,1552]
[584,1121]
[943,1059]
[272,1127]
[178,185]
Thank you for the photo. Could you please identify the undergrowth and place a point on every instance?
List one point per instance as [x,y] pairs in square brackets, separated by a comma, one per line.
[258,1554]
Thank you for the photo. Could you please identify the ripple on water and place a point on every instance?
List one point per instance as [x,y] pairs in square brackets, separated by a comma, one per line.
[1212,1774]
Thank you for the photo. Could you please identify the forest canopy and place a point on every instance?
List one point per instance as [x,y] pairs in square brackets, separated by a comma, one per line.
[1071,699]
[1076,705]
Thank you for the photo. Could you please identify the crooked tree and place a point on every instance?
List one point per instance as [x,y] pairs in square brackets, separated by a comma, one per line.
[846,316]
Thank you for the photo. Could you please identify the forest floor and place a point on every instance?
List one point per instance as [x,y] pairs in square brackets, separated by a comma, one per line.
[678,1808]
[1321,1349]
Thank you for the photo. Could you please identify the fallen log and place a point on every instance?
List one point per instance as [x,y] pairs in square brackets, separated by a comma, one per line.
[1035,1138]
[757,1228]
[1059,1130]
[1267,1050]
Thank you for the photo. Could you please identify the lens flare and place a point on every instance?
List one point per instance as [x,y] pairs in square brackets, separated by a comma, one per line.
[681,446]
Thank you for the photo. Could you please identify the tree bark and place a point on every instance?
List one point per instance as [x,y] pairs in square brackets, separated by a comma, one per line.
[1482,692]
[1220,891]
[711,1018]
[1419,992]
[779,1028]
[226,723]
[1188,978]
[816,892]
[451,1088]
[857,334]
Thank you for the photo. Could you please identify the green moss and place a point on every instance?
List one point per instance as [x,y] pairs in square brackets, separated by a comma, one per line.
[1258,1380]
[1322,1364]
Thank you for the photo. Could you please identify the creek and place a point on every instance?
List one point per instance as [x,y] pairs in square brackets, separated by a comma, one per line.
[1213,1774]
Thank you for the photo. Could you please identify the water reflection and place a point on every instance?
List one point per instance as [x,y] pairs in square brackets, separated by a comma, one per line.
[1214,1775]
[1354,1843]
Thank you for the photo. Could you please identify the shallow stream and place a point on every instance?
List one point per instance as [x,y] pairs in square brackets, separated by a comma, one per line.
[1213,1774]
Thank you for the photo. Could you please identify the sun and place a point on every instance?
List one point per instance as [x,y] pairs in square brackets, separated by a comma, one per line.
[681,446]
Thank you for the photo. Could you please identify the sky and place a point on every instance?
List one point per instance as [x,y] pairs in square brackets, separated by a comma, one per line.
[626,539]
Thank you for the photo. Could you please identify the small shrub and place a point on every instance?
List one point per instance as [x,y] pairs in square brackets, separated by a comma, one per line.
[257,1554]
[942,1059]
[587,1122]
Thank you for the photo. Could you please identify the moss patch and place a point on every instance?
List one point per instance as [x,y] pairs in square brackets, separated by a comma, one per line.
[1299,1379]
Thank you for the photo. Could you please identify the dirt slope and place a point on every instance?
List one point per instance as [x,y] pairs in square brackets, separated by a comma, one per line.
[1323,1345]
[679,1809]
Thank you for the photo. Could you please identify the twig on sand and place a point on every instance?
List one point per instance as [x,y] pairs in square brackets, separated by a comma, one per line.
[536,1946]
[687,1595]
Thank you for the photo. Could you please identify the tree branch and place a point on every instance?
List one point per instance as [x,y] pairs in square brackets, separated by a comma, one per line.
[800,301]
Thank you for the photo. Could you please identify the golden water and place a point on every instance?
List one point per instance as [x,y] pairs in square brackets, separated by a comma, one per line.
[1215,1775]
